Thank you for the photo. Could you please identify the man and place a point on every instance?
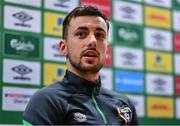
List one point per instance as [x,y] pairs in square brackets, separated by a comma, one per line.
[79,98]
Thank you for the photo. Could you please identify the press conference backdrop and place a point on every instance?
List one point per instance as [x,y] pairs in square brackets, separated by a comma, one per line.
[143,59]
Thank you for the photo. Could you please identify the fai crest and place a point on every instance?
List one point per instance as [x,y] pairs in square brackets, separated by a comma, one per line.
[125,114]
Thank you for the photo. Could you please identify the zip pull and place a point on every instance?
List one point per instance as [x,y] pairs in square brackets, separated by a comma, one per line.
[98,108]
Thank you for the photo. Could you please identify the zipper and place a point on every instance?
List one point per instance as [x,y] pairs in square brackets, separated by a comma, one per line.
[98,108]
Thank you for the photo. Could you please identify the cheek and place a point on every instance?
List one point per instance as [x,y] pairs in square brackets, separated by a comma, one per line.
[74,52]
[103,53]
[103,49]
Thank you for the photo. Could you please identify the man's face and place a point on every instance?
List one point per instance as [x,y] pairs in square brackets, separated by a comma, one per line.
[86,43]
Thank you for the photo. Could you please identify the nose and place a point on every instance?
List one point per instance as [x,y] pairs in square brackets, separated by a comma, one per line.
[92,41]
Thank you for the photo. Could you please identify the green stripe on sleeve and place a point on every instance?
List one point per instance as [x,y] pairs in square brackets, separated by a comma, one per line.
[25,123]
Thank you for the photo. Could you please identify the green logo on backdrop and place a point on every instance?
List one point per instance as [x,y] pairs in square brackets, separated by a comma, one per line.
[176,4]
[127,35]
[21,45]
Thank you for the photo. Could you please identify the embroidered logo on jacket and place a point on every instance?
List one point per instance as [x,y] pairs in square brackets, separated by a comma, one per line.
[125,114]
[79,117]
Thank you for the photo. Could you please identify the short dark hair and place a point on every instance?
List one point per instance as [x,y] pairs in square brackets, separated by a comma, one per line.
[82,11]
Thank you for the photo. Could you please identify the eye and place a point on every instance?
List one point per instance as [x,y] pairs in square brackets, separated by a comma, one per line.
[81,34]
[100,36]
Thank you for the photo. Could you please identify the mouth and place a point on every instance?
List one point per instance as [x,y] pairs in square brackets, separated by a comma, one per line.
[90,53]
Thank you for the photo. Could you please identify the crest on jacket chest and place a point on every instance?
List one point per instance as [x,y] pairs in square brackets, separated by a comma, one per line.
[125,114]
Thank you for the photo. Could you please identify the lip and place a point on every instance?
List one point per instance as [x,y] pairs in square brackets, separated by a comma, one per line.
[91,53]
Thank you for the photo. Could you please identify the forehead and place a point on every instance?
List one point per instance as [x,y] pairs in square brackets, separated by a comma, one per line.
[89,22]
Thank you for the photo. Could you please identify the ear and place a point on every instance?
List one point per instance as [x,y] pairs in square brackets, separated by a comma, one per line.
[63,47]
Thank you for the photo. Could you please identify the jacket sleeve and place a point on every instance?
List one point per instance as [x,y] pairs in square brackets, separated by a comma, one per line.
[42,109]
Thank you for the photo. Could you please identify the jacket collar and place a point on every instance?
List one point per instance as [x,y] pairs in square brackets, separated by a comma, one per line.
[82,85]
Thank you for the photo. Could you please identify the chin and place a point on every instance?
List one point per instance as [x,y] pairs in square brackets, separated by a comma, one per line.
[92,68]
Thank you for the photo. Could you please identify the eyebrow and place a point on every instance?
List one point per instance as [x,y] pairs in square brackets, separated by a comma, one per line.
[82,28]
[101,29]
[85,28]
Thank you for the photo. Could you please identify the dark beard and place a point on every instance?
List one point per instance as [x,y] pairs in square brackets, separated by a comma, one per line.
[79,66]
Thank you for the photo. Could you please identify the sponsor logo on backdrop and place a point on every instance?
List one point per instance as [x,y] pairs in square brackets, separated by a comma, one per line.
[159,84]
[35,3]
[177,108]
[127,12]
[16,99]
[55,47]
[104,6]
[61,5]
[130,36]
[126,81]
[177,42]
[161,3]
[53,23]
[160,107]
[177,63]
[176,20]
[158,39]
[130,58]
[157,61]
[106,76]
[53,72]
[21,72]
[22,19]
[138,102]
[21,45]
[108,61]
[176,4]
[51,49]
[177,79]
[157,17]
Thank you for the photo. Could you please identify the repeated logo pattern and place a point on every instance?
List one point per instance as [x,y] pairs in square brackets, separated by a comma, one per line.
[160,107]
[142,61]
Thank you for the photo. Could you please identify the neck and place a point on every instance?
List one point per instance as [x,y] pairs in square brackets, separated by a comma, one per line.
[90,76]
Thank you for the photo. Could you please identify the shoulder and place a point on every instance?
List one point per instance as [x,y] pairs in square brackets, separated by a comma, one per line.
[47,97]
[52,91]
[54,95]
[46,101]
[116,96]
